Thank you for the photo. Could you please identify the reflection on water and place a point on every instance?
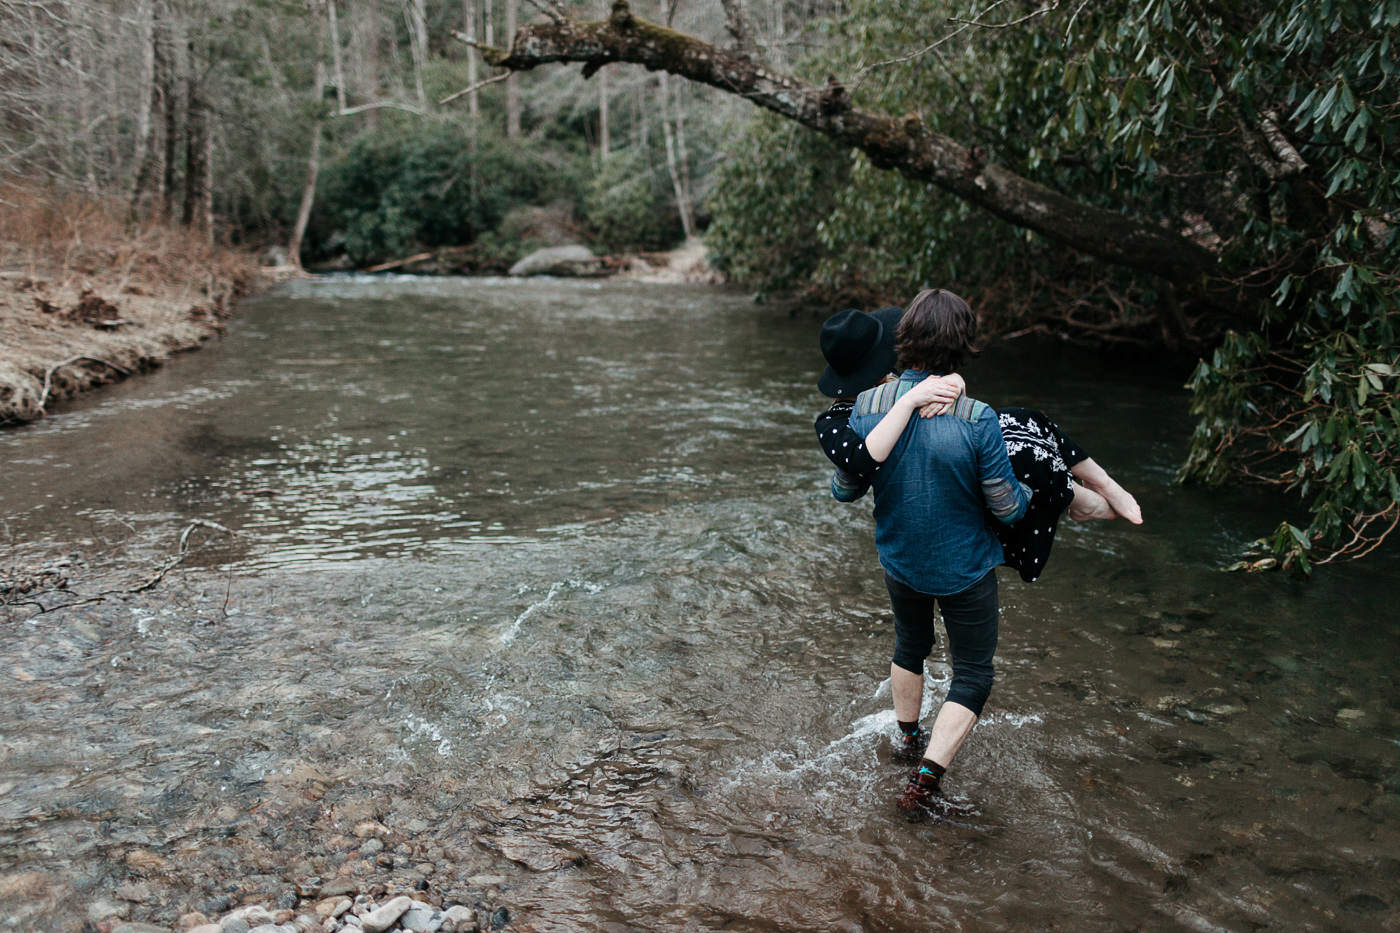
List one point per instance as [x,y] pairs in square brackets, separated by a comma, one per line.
[559,556]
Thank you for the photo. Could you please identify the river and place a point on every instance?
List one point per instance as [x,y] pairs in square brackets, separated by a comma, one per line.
[543,577]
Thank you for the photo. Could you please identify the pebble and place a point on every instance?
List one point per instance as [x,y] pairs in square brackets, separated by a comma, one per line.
[103,908]
[339,886]
[255,915]
[371,847]
[383,917]
[419,913]
[460,919]
[419,918]
[332,907]
[217,905]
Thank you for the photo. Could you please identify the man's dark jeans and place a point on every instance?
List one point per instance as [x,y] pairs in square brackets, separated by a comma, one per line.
[970,618]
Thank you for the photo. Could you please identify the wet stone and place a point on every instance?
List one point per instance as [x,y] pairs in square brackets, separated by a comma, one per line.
[103,908]
[421,918]
[386,915]
[460,919]
[340,886]
[1363,904]
[217,905]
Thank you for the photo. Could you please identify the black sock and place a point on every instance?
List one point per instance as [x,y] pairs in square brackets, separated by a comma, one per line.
[929,766]
[908,728]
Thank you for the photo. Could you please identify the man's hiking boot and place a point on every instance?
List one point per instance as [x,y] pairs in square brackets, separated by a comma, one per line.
[909,747]
[923,797]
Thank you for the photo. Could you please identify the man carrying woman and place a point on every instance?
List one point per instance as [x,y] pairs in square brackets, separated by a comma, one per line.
[942,484]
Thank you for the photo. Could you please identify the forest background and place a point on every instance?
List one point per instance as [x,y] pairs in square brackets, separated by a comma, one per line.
[1209,183]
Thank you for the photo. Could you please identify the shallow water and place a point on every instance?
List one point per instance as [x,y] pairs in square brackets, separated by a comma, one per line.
[559,555]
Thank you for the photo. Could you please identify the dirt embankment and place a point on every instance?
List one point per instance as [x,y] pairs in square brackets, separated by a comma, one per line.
[85,298]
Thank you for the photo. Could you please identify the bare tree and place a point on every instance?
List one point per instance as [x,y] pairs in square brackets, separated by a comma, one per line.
[199,154]
[313,170]
[513,82]
[469,26]
[334,27]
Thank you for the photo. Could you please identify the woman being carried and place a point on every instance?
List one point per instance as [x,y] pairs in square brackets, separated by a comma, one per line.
[860,352]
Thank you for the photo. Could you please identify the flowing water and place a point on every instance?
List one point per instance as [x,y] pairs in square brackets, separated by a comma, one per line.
[552,565]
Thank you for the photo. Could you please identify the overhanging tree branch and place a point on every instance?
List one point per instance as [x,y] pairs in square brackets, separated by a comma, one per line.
[902,144]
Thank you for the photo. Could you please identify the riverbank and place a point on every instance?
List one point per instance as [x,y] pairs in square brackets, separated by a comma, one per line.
[84,300]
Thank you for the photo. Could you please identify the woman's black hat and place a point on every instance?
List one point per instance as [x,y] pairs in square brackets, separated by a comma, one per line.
[859,350]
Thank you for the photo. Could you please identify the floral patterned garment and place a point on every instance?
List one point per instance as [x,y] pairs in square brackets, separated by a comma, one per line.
[1041,454]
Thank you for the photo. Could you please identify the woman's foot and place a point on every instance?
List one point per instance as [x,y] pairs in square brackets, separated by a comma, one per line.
[1089,506]
[1097,480]
[1122,502]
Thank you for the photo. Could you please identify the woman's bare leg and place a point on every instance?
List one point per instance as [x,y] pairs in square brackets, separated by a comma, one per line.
[1097,480]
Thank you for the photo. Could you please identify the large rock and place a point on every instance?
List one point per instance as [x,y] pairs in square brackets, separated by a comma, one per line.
[559,260]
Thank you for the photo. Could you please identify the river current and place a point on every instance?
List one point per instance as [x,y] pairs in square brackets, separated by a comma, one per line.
[551,567]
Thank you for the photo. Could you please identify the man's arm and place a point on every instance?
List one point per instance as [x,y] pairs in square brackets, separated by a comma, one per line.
[1007,497]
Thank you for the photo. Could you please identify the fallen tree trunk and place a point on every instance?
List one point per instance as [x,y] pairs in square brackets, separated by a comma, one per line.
[902,144]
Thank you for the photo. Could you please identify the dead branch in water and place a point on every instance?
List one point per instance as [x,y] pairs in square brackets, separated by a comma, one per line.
[48,376]
[180,554]
[33,585]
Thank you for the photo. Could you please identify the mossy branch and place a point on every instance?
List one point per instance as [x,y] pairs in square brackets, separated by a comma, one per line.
[902,144]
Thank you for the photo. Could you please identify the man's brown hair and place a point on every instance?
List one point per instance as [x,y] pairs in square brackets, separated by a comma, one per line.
[937,332]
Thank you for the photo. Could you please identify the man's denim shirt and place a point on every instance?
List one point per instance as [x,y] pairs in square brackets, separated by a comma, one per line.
[934,492]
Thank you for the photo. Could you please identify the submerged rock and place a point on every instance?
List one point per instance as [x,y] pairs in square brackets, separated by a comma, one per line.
[559,260]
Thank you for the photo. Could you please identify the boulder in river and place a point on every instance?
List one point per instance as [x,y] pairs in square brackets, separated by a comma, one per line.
[559,260]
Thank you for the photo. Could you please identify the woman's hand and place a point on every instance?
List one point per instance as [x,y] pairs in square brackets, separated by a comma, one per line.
[936,394]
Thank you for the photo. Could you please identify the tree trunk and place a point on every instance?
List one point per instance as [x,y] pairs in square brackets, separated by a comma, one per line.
[604,131]
[682,155]
[369,82]
[513,82]
[147,189]
[682,204]
[903,144]
[335,55]
[197,151]
[171,119]
[145,16]
[469,27]
[418,42]
[308,191]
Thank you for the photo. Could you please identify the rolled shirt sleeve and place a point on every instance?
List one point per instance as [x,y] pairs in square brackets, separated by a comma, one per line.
[1007,497]
[847,487]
